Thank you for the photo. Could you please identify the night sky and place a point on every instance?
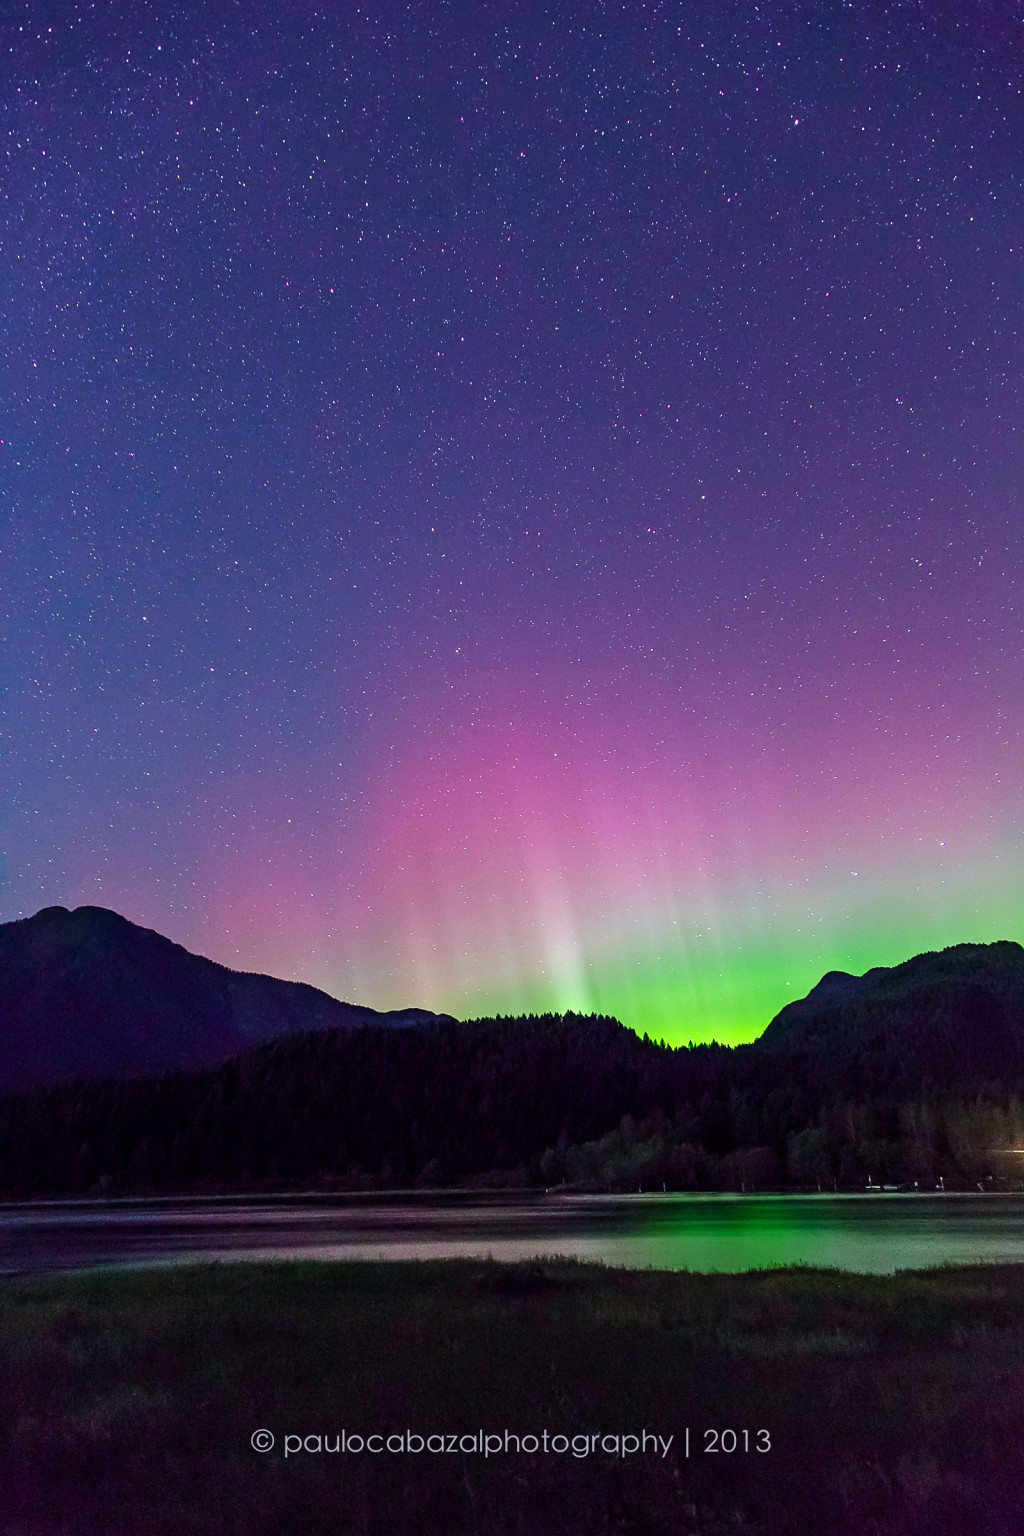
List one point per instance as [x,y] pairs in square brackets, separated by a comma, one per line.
[517,506]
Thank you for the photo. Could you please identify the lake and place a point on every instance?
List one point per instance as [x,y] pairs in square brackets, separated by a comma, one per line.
[872,1233]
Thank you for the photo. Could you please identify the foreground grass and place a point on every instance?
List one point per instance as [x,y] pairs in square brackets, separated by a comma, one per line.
[893,1404]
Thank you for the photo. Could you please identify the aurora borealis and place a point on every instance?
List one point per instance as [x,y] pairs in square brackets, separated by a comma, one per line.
[517,507]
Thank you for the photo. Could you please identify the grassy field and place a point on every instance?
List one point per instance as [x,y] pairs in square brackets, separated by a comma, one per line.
[892,1405]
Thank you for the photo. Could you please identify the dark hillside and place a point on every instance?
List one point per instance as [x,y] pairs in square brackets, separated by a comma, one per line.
[87,993]
[950,1016]
[910,1073]
[432,1104]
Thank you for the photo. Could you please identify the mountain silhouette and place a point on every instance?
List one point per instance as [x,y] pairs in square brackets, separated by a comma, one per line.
[88,993]
[908,1074]
[950,1014]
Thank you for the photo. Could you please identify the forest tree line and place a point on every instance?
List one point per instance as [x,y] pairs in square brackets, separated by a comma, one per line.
[538,1100]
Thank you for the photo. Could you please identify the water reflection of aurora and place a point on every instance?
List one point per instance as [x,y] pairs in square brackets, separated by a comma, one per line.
[860,1232]
[698,1232]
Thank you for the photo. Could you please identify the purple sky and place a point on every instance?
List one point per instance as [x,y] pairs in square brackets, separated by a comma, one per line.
[517,506]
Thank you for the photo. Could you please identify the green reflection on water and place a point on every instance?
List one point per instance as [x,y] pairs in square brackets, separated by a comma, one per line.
[871,1234]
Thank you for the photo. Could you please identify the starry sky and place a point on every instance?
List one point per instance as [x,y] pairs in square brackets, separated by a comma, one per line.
[517,506]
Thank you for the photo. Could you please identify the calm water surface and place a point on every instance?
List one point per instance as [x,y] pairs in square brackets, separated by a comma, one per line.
[872,1233]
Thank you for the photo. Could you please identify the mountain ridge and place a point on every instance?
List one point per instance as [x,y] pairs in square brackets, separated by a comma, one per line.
[961,1007]
[86,992]
[908,1074]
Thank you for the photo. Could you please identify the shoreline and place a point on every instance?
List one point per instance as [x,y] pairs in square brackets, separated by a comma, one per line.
[484,1193]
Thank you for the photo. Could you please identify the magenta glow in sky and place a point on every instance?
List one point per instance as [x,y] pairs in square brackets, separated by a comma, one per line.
[518,514]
